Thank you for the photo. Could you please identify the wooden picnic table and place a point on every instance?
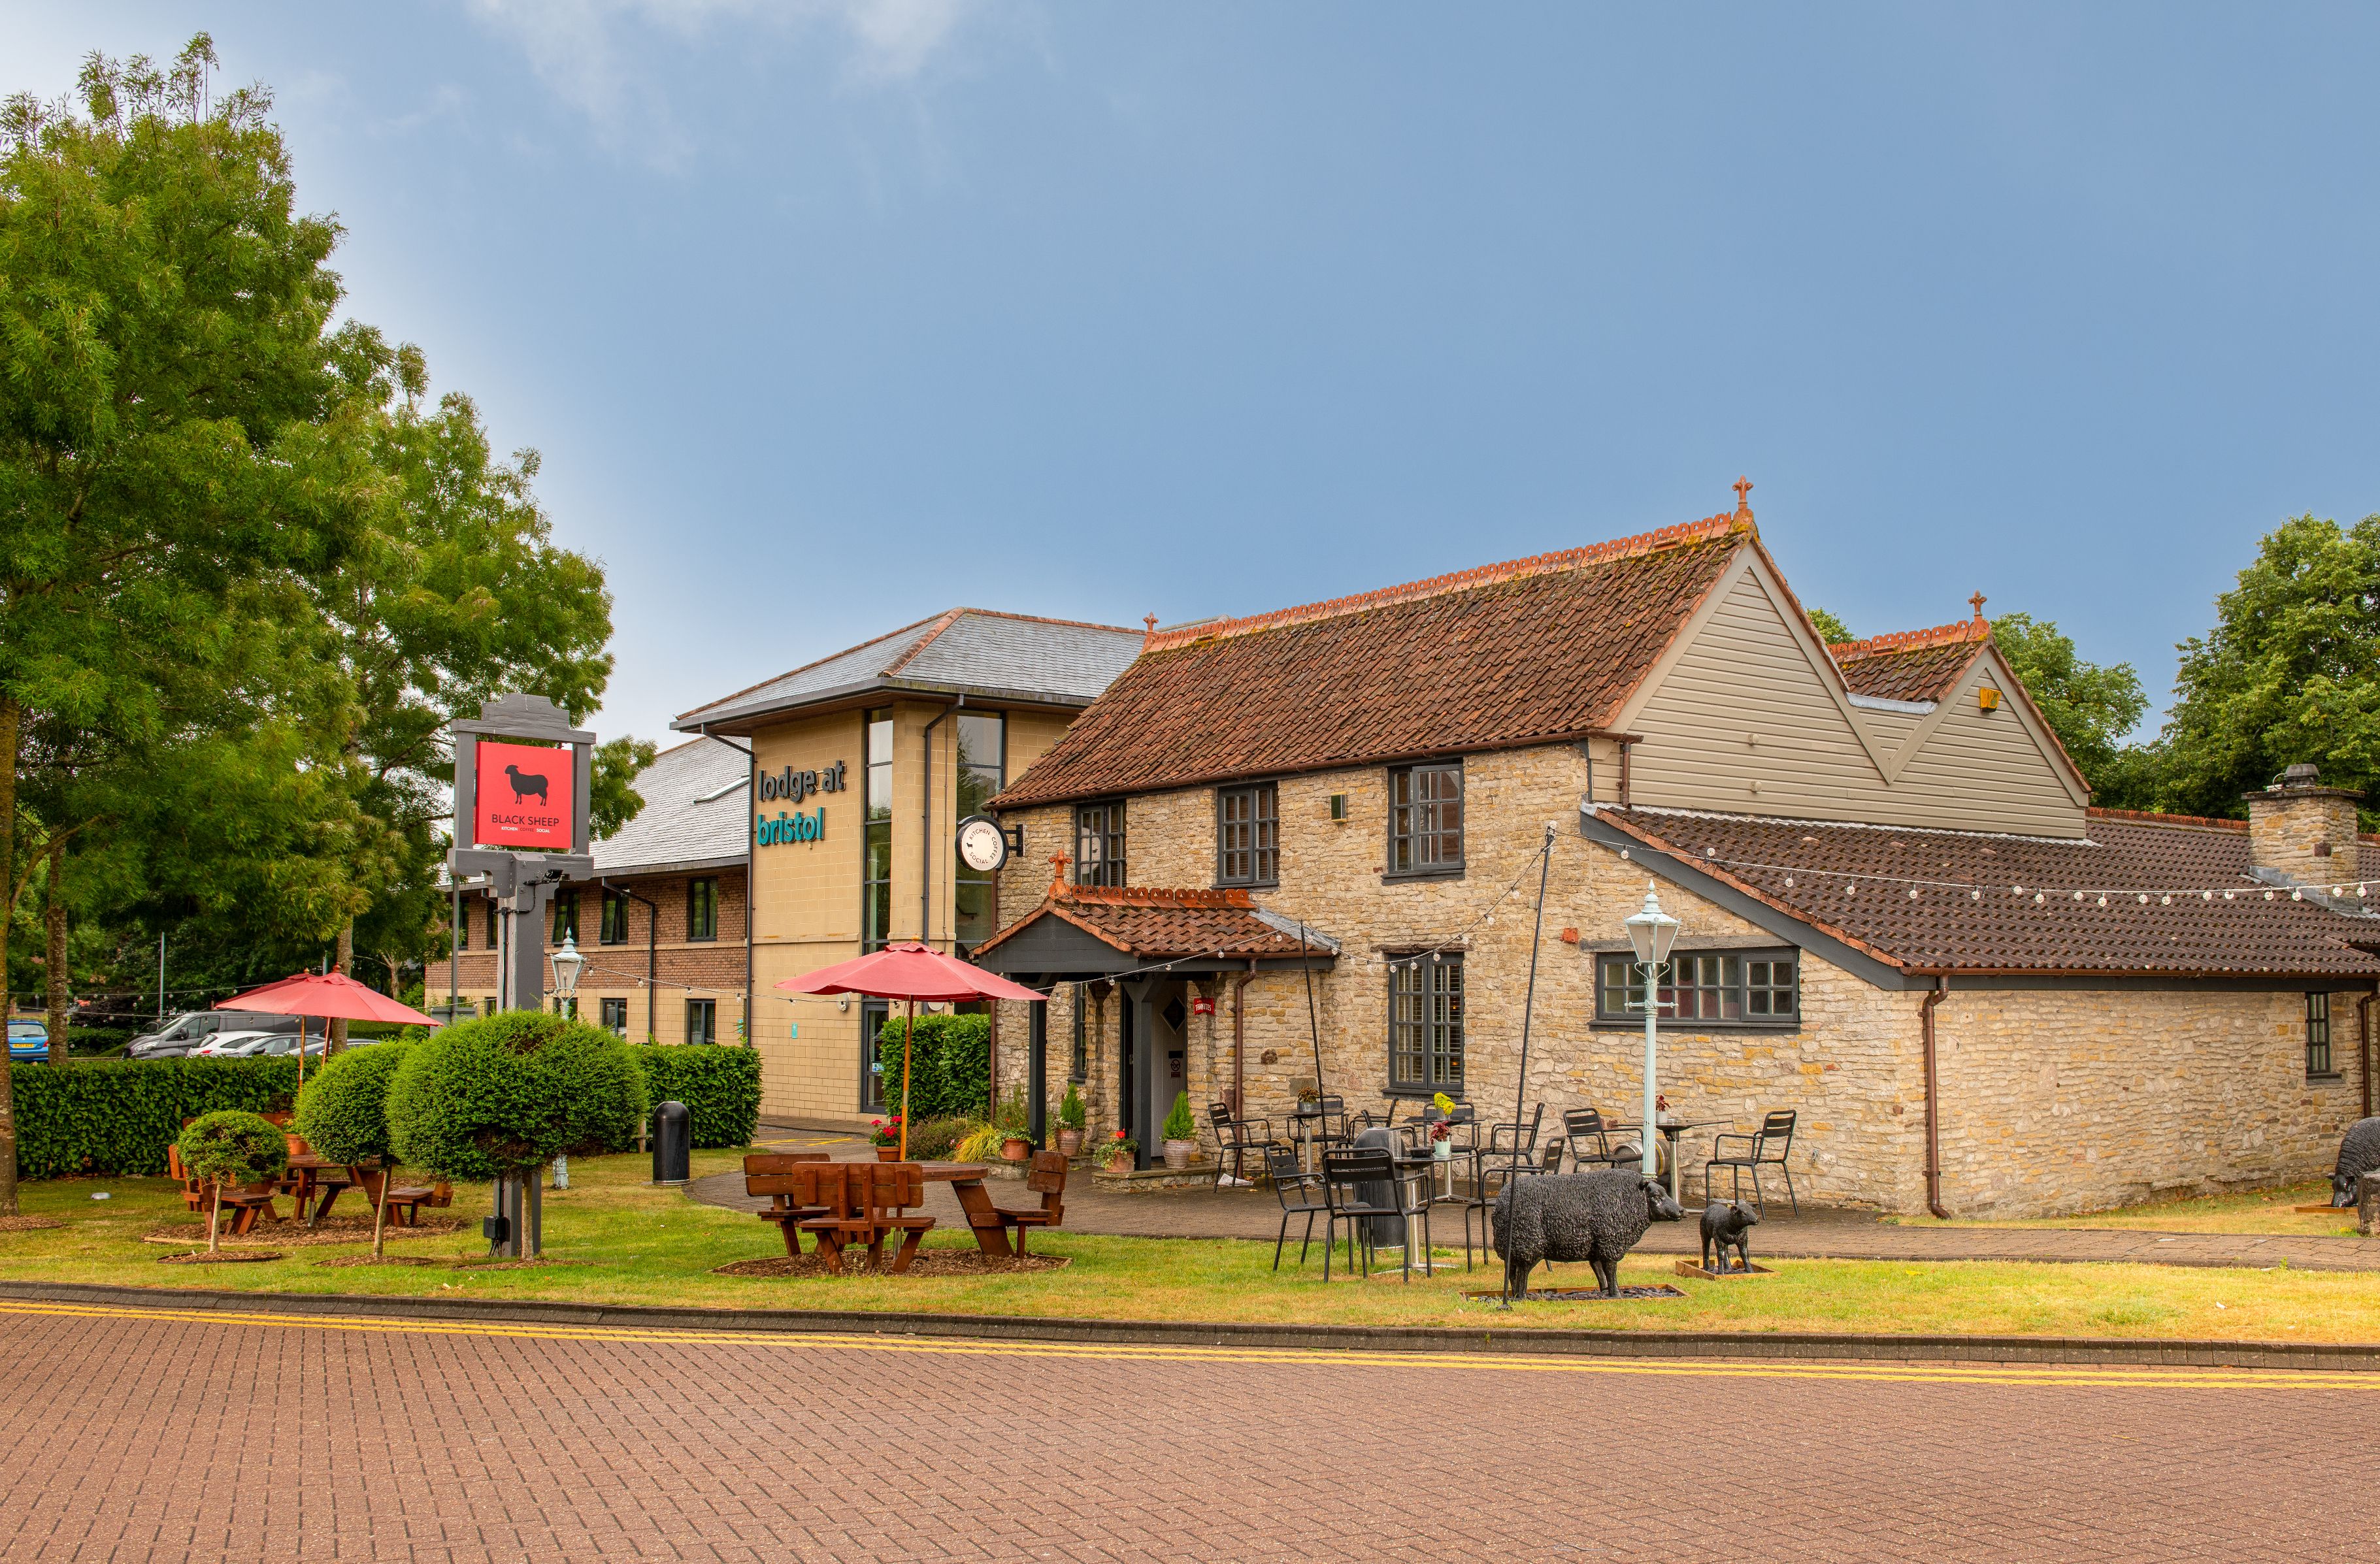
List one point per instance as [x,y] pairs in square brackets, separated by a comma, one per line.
[318,1180]
[965,1179]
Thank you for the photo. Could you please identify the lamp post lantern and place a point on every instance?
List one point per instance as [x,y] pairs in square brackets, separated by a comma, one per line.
[1651,931]
[567,963]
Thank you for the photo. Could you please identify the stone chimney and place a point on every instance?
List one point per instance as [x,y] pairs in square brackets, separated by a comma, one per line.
[2303,831]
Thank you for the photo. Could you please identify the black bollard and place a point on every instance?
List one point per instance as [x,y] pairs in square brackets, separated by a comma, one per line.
[672,1149]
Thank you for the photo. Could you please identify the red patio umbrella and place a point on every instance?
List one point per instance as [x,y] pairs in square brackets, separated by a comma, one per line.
[332,996]
[910,972]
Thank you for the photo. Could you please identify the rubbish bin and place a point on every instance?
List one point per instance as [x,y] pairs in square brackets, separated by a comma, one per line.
[672,1149]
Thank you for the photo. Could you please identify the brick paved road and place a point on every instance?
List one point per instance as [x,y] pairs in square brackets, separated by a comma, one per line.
[174,1436]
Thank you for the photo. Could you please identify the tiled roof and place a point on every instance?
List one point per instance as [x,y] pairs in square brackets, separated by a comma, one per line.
[1160,923]
[1993,904]
[694,812]
[961,649]
[1531,651]
[1911,664]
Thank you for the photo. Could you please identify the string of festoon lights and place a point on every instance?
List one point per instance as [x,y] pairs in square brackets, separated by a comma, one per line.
[1486,916]
[1851,883]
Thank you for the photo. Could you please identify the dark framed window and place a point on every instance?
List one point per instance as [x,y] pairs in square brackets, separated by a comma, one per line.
[1247,835]
[1425,819]
[873,1014]
[463,929]
[2318,1056]
[613,929]
[492,1006]
[1425,1024]
[565,916]
[1079,1063]
[703,1021]
[1731,988]
[1098,844]
[876,860]
[616,1017]
[702,908]
[982,741]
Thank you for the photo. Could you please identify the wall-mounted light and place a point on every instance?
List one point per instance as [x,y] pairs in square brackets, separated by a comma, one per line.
[1988,698]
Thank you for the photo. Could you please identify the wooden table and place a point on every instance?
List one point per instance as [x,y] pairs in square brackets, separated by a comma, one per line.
[1671,1130]
[965,1179]
[308,1170]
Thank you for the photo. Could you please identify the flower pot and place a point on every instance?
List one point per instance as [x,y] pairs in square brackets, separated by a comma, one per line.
[1177,1152]
[888,1154]
[1119,1164]
[1015,1148]
[1070,1142]
[1442,1149]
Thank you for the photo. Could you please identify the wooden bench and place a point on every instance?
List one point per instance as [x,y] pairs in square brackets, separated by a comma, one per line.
[246,1203]
[792,1199]
[874,1196]
[405,1201]
[1046,1178]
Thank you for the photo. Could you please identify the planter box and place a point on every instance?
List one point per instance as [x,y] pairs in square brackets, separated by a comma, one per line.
[1688,1267]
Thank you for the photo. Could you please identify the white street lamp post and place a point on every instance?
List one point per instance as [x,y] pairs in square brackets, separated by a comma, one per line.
[567,963]
[1650,930]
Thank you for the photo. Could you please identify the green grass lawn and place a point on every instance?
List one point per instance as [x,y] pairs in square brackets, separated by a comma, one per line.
[617,1239]
[2265,1211]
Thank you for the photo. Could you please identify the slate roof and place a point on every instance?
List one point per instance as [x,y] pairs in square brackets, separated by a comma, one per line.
[970,650]
[1157,925]
[1533,652]
[1912,664]
[2178,895]
[686,822]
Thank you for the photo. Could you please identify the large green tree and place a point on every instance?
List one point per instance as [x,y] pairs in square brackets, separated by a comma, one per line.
[2090,706]
[2289,672]
[178,432]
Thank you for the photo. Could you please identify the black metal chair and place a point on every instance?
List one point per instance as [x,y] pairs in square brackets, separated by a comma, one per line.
[1493,1167]
[1235,1138]
[1373,1119]
[1345,1174]
[1301,1195]
[1514,1139]
[1464,1122]
[1323,1123]
[1767,1147]
[1588,1139]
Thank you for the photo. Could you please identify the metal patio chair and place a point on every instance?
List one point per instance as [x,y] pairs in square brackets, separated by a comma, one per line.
[1767,1147]
[1301,1195]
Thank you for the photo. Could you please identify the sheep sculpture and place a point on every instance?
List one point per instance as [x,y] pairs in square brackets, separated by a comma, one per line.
[2359,1153]
[1593,1217]
[1728,1224]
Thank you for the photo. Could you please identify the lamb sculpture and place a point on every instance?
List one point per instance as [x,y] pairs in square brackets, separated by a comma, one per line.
[1593,1217]
[2359,1153]
[1727,1224]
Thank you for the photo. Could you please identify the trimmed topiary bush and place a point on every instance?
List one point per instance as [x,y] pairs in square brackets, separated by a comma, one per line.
[231,1148]
[343,1113]
[511,1091]
[950,1069]
[115,1118]
[721,1088]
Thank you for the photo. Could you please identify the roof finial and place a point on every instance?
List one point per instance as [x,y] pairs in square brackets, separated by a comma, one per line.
[1743,496]
[1057,874]
[1150,632]
[1978,601]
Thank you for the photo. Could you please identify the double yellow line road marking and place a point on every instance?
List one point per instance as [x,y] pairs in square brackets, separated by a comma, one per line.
[2044,1377]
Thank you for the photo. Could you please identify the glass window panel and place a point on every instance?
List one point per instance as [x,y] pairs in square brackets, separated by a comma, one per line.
[1425,1023]
[702,909]
[1425,818]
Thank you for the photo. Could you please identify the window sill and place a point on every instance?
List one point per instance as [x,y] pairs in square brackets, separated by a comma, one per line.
[1636,1025]
[1247,885]
[1392,877]
[2333,1078]
[1418,1094]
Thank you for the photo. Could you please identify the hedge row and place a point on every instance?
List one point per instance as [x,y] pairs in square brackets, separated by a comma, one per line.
[114,1117]
[950,1068]
[720,1086]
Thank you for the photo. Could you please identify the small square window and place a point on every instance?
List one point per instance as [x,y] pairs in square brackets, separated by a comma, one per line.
[616,1017]
[1098,844]
[1247,835]
[1425,819]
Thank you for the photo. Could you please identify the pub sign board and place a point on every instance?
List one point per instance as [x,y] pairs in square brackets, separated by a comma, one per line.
[524,796]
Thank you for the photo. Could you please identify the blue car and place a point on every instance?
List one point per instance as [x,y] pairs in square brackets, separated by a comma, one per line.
[28,1040]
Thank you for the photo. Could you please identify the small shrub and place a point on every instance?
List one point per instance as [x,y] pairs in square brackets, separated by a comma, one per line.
[233,1149]
[343,1113]
[1014,1117]
[1177,1123]
[1072,1115]
[950,1073]
[511,1091]
[937,1140]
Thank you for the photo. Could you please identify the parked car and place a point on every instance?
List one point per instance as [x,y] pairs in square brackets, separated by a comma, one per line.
[237,1045]
[29,1041]
[187,1030]
[284,1044]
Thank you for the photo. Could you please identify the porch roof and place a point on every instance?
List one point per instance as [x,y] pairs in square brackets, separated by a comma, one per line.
[1101,930]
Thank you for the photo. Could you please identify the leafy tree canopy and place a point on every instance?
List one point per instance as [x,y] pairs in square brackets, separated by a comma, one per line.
[2089,706]
[1831,630]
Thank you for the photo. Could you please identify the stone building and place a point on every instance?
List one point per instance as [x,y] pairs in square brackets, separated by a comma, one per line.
[1306,848]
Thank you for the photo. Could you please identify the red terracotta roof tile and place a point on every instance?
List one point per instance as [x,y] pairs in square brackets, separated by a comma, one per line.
[1156,924]
[2164,898]
[1531,651]
[1911,664]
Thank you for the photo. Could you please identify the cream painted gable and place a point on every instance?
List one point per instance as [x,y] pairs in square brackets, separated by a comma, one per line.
[1747,714]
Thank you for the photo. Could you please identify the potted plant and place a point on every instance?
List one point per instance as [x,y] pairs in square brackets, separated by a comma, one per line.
[1122,1152]
[1015,1126]
[885,1134]
[1071,1118]
[1181,1134]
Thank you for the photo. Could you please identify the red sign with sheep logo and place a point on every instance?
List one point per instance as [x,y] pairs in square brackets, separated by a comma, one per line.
[524,796]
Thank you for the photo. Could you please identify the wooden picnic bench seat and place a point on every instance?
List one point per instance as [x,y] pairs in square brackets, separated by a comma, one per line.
[405,1201]
[1047,1178]
[793,1198]
[246,1203]
[874,1196]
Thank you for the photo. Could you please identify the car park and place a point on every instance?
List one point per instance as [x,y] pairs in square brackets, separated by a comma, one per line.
[185,1032]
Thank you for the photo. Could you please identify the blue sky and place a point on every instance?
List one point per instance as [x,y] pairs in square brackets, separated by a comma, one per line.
[829,315]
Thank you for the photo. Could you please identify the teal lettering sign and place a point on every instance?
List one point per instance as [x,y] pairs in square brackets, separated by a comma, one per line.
[795,827]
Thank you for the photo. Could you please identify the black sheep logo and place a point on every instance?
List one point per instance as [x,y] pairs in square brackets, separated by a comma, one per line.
[524,784]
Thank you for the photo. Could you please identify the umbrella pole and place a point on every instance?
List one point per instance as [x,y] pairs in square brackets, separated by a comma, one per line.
[908,1038]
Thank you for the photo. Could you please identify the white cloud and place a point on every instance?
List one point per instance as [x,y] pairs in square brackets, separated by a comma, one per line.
[590,53]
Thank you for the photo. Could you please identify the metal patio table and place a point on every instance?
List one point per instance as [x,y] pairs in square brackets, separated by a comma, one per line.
[1671,1132]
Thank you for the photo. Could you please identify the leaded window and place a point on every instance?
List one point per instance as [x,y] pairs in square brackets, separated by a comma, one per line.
[1247,835]
[1425,1024]
[1425,819]
[1098,844]
[1731,989]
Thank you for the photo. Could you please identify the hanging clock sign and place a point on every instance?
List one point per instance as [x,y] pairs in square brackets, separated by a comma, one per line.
[983,846]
